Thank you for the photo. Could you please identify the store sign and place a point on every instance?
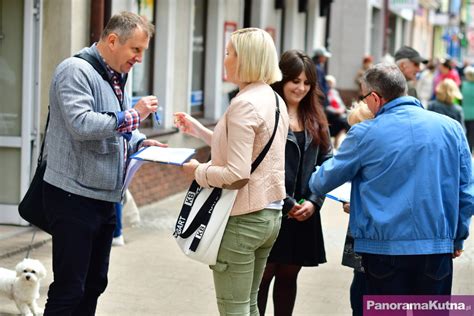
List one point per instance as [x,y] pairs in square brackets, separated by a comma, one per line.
[196,97]
[403,4]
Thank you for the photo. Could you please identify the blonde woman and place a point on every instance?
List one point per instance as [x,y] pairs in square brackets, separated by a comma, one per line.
[251,62]
[447,92]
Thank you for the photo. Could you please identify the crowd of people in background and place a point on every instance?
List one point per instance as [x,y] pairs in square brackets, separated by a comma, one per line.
[444,85]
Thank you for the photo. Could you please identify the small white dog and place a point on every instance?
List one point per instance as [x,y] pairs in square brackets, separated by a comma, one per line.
[22,286]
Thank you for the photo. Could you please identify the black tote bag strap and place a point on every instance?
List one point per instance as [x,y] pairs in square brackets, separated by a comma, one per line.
[102,71]
[260,157]
[203,216]
[40,156]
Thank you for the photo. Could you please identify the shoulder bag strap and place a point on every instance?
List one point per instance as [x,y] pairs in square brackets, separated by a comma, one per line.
[260,157]
[92,60]
[40,157]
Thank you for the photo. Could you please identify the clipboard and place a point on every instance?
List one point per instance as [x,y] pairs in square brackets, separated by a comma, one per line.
[341,193]
[166,155]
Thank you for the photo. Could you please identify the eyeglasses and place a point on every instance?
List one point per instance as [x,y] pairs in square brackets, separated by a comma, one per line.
[362,98]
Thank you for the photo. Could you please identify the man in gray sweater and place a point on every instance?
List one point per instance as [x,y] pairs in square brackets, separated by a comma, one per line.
[92,130]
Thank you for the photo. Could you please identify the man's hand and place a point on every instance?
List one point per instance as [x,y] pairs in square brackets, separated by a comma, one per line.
[346,207]
[152,142]
[146,105]
[457,253]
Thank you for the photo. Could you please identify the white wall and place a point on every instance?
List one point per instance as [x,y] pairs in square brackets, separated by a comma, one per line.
[63,35]
[294,27]
[349,40]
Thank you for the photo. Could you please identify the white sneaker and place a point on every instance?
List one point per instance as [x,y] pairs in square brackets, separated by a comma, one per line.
[118,241]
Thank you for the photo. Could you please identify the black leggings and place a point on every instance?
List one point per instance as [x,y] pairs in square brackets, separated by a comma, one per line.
[284,289]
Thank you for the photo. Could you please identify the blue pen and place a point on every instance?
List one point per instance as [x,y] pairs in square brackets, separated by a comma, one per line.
[157,117]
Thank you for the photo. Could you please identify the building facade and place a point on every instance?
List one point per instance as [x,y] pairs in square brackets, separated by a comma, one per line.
[183,66]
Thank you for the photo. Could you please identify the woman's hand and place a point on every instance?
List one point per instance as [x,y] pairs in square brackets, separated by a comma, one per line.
[188,124]
[190,167]
[302,212]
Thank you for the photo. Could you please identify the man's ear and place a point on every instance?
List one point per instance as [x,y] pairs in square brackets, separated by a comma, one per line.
[112,40]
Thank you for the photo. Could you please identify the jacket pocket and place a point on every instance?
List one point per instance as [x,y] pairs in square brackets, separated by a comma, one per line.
[99,164]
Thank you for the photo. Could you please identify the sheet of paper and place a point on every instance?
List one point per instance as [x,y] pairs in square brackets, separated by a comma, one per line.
[132,168]
[341,193]
[168,155]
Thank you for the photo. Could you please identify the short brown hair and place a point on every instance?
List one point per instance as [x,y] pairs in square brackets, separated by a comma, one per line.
[124,24]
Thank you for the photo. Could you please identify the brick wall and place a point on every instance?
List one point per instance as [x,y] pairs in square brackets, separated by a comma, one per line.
[155,181]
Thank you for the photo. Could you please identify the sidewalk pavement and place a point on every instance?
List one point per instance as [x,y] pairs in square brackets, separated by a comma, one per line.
[150,276]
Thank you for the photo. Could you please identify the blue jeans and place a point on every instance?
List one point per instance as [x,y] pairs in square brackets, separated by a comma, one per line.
[82,230]
[241,261]
[118,213]
[409,274]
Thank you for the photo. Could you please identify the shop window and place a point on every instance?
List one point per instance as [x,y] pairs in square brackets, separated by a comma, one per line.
[199,53]
[142,78]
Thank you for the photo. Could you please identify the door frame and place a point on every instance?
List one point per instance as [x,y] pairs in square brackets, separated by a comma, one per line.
[29,140]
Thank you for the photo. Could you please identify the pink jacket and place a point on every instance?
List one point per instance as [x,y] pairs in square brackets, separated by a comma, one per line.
[238,139]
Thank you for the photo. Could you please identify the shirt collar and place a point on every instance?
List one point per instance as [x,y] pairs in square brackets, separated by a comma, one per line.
[405,100]
[99,57]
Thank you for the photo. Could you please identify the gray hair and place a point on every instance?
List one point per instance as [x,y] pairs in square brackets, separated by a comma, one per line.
[385,79]
[124,24]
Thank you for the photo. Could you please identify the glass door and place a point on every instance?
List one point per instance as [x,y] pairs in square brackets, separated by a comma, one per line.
[19,102]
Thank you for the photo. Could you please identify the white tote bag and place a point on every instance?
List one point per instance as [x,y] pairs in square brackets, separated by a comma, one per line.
[197,233]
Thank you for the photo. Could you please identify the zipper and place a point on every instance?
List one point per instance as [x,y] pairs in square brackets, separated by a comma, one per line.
[298,168]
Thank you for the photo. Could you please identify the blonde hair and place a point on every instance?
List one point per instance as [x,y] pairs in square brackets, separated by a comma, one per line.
[447,91]
[257,56]
[360,113]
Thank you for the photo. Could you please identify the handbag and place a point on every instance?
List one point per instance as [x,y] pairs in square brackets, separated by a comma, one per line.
[31,206]
[199,230]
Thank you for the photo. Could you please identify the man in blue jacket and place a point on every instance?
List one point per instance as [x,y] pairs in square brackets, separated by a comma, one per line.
[412,190]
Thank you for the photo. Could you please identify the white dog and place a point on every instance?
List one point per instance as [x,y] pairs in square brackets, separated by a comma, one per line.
[23,285]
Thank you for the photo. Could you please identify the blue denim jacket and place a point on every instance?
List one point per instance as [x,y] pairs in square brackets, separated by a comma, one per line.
[412,189]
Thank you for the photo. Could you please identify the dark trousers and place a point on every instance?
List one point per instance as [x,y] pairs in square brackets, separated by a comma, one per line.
[408,275]
[358,290]
[82,230]
[470,133]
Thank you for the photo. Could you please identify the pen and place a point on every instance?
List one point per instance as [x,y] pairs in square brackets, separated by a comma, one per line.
[301,201]
[157,117]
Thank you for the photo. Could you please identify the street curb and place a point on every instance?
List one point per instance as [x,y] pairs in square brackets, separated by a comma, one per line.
[21,236]
[17,251]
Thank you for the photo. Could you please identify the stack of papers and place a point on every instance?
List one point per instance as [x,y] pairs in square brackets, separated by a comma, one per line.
[168,155]
[174,156]
[341,194]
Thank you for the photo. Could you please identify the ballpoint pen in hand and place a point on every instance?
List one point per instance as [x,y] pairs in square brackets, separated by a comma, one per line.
[157,116]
